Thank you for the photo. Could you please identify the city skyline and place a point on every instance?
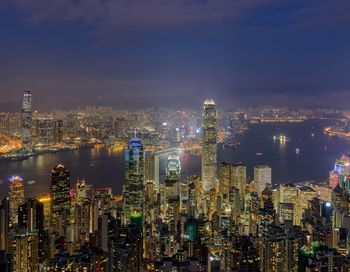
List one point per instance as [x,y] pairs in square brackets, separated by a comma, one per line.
[174,136]
[238,53]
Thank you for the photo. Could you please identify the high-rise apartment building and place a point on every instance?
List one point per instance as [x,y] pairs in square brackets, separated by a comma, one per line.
[25,255]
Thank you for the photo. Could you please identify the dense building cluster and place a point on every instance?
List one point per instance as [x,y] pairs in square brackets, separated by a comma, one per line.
[221,221]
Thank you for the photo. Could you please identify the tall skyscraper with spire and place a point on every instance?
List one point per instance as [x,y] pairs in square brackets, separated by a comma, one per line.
[133,192]
[209,161]
[26,116]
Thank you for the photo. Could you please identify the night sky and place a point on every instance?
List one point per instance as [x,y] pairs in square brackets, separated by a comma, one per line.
[175,53]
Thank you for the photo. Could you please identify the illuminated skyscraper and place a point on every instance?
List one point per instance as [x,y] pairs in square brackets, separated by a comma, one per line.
[102,203]
[233,175]
[152,169]
[16,198]
[26,118]
[209,166]
[25,255]
[172,179]
[133,192]
[262,176]
[61,201]
[31,219]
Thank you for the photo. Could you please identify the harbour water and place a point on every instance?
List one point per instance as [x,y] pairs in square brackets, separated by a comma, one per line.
[316,155]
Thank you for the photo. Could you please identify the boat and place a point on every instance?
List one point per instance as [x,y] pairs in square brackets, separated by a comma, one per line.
[297,150]
[258,153]
[281,138]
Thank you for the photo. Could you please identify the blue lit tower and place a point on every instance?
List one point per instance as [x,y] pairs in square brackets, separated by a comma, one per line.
[26,116]
[133,191]
[209,166]
[61,200]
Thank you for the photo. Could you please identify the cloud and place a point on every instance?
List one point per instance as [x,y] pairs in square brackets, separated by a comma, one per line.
[133,15]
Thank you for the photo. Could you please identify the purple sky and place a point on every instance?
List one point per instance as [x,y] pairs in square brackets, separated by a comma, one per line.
[129,54]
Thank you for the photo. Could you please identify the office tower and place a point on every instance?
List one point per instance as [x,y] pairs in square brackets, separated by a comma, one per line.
[16,198]
[107,225]
[46,201]
[61,199]
[133,192]
[4,224]
[102,203]
[150,193]
[225,178]
[82,222]
[25,255]
[239,177]
[152,169]
[83,191]
[26,118]
[233,175]
[172,176]
[305,194]
[235,204]
[262,177]
[289,198]
[125,252]
[31,215]
[31,219]
[209,160]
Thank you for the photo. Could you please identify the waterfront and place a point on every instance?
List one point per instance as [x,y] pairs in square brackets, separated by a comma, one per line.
[102,167]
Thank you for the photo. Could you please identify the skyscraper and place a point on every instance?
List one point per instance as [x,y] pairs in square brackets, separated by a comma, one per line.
[26,118]
[152,169]
[125,251]
[16,198]
[173,168]
[209,166]
[4,224]
[262,176]
[31,219]
[25,255]
[233,175]
[60,191]
[133,192]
